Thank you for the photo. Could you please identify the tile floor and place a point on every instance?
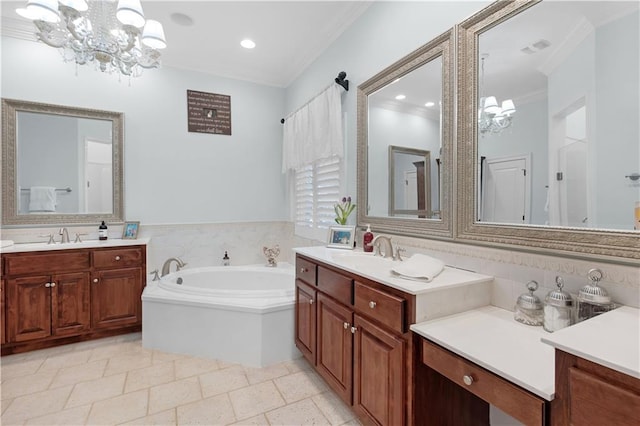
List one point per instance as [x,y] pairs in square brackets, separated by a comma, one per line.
[117,381]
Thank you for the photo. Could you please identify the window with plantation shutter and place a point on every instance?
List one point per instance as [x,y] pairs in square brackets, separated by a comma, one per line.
[317,190]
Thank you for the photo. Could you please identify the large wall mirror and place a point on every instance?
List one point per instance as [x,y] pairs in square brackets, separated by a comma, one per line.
[548,129]
[61,165]
[405,153]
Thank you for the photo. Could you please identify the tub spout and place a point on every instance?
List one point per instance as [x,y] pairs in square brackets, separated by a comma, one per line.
[166,267]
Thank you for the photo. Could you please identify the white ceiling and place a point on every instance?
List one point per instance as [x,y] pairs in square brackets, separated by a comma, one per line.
[289,35]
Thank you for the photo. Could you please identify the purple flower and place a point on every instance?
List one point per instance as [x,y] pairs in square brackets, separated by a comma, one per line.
[344,199]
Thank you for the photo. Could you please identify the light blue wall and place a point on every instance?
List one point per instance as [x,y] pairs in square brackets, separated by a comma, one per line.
[171,176]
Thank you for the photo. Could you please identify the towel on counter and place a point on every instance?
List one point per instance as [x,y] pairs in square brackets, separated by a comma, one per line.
[42,199]
[418,267]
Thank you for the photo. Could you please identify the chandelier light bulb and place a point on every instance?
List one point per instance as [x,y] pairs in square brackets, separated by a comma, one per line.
[43,10]
[153,35]
[129,12]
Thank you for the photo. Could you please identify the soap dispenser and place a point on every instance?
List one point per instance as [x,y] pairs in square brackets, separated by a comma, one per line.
[225,260]
[102,231]
[367,238]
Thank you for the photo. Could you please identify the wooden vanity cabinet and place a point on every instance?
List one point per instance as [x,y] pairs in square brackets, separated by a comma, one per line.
[63,296]
[360,343]
[591,394]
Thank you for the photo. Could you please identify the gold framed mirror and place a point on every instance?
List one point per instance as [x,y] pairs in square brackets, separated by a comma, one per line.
[421,120]
[60,165]
[549,168]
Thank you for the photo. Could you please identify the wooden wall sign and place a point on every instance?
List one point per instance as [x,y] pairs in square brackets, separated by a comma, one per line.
[209,113]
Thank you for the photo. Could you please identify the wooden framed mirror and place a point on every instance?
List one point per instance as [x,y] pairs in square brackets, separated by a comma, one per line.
[422,120]
[547,144]
[60,165]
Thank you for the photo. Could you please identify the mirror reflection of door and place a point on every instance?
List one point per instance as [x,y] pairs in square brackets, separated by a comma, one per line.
[505,190]
[409,182]
[98,177]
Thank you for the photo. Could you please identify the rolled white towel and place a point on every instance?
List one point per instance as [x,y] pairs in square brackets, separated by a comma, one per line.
[418,267]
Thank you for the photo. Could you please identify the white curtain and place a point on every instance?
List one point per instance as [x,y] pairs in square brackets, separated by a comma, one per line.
[314,131]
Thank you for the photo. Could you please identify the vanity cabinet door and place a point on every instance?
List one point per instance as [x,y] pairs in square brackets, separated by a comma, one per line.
[3,323]
[335,346]
[305,321]
[28,308]
[115,298]
[378,374]
[70,310]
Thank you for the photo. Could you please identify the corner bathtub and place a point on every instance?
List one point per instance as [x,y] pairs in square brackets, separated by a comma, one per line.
[237,314]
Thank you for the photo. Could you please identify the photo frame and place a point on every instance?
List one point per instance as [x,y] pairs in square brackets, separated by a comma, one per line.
[130,230]
[341,237]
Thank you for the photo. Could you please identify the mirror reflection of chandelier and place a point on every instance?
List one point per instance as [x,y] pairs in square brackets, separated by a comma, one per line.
[112,34]
[493,118]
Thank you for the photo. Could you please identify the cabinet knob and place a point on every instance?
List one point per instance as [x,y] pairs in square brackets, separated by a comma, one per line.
[467,379]
[372,304]
[95,280]
[353,330]
[346,325]
[53,284]
[311,301]
[117,257]
[47,284]
[303,270]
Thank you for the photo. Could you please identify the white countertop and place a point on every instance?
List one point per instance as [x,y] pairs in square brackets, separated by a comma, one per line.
[448,278]
[491,338]
[611,339]
[112,242]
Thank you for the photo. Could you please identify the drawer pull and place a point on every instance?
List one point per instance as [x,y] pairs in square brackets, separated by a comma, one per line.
[353,330]
[311,301]
[467,379]
[372,304]
[53,284]
[346,325]
[47,285]
[303,270]
[95,280]
[117,257]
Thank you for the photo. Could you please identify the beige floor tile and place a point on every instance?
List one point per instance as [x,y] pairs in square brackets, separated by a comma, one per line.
[149,376]
[129,361]
[18,367]
[333,408]
[303,412]
[297,365]
[216,410]
[353,422]
[119,409]
[34,405]
[259,420]
[250,401]
[221,381]
[301,385]
[79,373]
[114,349]
[65,359]
[164,418]
[72,416]
[25,385]
[257,375]
[5,403]
[159,356]
[96,390]
[169,395]
[187,367]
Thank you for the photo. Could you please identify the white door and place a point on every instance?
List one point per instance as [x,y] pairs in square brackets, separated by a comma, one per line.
[505,190]
[411,190]
[98,177]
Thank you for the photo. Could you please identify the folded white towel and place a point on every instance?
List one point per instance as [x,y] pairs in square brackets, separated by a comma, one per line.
[6,243]
[418,267]
[42,199]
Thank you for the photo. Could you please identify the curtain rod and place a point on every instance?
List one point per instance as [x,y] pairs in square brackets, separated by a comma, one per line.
[340,79]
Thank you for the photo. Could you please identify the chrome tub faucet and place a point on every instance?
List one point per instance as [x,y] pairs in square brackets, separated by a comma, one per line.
[166,267]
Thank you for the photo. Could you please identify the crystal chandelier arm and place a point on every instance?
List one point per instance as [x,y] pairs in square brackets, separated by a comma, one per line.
[47,34]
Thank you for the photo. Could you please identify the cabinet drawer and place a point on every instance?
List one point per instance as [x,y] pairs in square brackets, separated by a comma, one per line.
[594,401]
[335,285]
[306,271]
[497,391]
[47,263]
[117,258]
[383,307]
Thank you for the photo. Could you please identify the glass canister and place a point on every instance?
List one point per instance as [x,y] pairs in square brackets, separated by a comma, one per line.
[558,308]
[528,309]
[592,299]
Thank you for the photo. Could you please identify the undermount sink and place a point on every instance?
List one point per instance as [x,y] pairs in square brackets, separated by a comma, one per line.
[364,262]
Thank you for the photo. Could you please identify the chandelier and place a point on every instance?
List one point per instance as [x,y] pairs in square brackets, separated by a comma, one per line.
[491,117]
[112,34]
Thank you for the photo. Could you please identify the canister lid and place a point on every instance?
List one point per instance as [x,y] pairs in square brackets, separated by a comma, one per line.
[530,300]
[591,292]
[558,297]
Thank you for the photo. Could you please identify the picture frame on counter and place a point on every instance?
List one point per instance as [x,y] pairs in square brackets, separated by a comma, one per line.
[130,230]
[341,236]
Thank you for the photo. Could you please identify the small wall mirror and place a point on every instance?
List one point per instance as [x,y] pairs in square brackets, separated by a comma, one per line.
[548,119]
[61,165]
[405,143]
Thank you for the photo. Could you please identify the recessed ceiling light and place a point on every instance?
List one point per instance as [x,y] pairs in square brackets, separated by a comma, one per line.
[182,19]
[400,97]
[429,104]
[247,44]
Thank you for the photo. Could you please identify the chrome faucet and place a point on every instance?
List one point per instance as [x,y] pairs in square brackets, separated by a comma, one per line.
[166,267]
[387,251]
[65,235]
